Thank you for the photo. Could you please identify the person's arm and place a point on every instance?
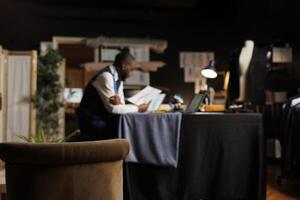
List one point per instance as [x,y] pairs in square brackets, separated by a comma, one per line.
[104,85]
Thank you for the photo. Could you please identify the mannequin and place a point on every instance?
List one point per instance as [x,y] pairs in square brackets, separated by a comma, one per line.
[244,63]
[248,70]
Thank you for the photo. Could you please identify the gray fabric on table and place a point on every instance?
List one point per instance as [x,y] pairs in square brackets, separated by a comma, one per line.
[154,138]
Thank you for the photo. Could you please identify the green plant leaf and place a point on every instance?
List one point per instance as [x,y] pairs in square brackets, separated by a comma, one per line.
[46,99]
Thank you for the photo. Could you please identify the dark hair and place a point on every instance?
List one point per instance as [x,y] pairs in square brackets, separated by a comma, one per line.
[123,56]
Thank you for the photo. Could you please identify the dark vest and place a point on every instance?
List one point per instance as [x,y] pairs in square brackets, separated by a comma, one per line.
[93,118]
[255,77]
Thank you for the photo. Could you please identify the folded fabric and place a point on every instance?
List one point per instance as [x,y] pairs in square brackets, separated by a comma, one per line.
[154,138]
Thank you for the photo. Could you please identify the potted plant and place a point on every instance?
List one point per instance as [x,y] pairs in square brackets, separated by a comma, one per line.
[47,100]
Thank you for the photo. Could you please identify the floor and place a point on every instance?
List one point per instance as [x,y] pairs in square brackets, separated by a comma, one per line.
[275,194]
[286,190]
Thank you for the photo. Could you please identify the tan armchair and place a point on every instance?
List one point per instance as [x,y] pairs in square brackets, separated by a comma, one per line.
[66,171]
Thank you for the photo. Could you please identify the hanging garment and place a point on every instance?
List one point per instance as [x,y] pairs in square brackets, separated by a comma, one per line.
[255,78]
[290,138]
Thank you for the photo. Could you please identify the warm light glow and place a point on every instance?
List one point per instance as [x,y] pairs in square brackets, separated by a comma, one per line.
[209,73]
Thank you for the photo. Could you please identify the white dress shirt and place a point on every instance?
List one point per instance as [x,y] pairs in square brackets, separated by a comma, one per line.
[104,85]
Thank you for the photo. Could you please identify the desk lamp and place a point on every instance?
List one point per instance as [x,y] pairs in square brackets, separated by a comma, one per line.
[209,72]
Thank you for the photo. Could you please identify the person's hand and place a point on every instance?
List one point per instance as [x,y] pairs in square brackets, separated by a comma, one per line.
[115,100]
[177,106]
[143,107]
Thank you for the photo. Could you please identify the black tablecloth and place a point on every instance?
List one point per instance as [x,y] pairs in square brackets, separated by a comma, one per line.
[221,157]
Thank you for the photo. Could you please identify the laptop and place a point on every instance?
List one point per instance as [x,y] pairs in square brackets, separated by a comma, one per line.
[194,103]
[192,107]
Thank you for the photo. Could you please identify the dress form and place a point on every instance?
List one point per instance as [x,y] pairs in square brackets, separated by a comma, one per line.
[244,63]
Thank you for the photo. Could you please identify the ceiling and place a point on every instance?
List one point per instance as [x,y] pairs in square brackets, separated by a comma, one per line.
[119,3]
[270,9]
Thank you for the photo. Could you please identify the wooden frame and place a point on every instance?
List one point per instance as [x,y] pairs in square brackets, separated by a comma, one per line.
[151,66]
[34,60]
[56,41]
[1,93]
[4,96]
[61,113]
[156,45]
[91,68]
[1,78]
[33,87]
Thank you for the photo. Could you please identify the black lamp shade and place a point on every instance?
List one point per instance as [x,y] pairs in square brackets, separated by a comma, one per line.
[210,70]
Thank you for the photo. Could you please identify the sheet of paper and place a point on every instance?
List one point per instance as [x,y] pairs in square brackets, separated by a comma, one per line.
[155,103]
[144,96]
